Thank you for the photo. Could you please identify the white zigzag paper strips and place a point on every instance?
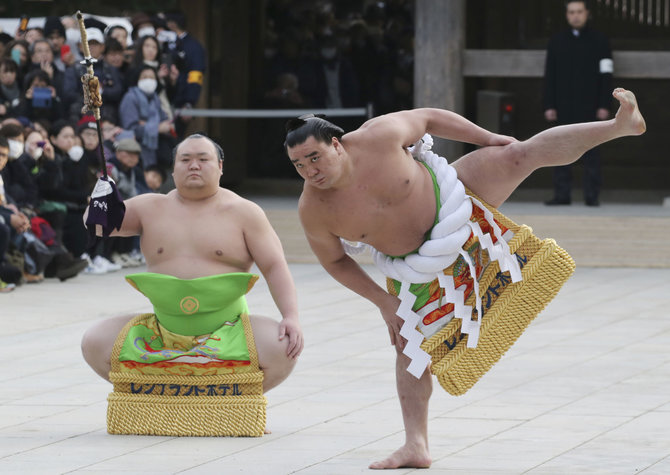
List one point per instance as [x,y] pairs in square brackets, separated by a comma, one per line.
[446,243]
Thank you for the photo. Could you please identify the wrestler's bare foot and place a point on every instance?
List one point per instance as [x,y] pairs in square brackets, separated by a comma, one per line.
[405,456]
[628,117]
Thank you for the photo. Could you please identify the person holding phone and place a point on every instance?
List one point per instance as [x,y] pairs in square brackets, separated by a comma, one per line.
[42,57]
[23,27]
[41,100]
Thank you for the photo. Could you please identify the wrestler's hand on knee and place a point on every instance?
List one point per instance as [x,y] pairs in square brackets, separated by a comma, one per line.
[290,328]
[393,321]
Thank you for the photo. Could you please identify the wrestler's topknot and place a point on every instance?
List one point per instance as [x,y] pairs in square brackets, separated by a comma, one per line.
[310,125]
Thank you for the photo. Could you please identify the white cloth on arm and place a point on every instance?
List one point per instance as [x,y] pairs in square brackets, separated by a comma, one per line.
[446,242]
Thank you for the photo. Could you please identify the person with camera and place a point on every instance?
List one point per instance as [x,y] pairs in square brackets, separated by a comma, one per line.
[19,176]
[42,57]
[41,99]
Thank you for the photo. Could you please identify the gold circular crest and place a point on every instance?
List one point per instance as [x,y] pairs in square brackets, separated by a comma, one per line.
[189,305]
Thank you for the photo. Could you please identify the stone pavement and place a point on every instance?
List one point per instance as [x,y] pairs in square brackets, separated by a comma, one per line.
[586,389]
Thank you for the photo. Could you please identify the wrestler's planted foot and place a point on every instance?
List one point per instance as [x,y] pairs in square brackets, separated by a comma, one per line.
[628,118]
[415,456]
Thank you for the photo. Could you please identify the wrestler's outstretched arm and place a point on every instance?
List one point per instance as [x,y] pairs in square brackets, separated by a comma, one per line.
[266,251]
[407,127]
[328,249]
[132,218]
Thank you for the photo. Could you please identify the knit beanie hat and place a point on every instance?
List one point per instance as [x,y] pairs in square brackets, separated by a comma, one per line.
[52,24]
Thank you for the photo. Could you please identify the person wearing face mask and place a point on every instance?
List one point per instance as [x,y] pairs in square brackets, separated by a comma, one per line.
[36,150]
[17,197]
[12,222]
[17,181]
[141,112]
[148,52]
[20,181]
[17,51]
[39,159]
[67,181]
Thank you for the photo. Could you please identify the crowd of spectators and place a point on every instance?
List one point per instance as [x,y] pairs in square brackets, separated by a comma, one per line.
[340,54]
[327,54]
[49,144]
[316,54]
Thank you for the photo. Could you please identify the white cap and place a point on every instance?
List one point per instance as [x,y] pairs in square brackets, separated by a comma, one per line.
[94,34]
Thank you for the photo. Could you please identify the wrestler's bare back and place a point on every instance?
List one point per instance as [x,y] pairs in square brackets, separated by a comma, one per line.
[389,203]
[190,238]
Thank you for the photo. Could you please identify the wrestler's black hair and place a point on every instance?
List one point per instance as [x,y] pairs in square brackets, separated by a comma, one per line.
[198,135]
[310,125]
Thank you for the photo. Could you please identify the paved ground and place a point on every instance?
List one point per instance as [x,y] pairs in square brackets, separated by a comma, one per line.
[614,234]
[585,390]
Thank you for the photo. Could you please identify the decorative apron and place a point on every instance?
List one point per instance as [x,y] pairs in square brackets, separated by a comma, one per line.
[190,368]
[473,287]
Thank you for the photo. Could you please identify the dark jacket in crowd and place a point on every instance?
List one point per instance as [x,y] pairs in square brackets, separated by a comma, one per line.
[67,181]
[11,103]
[191,61]
[574,83]
[56,81]
[19,184]
[53,112]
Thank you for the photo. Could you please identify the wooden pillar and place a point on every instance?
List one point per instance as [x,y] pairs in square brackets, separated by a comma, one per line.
[229,81]
[439,42]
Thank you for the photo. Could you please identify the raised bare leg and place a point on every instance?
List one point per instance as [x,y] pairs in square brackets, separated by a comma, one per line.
[98,341]
[494,173]
[414,395]
[272,359]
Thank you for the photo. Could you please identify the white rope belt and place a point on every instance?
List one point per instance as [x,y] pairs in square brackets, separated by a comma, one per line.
[446,242]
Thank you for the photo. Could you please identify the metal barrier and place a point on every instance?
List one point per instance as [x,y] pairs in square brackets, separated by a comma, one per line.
[276,113]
